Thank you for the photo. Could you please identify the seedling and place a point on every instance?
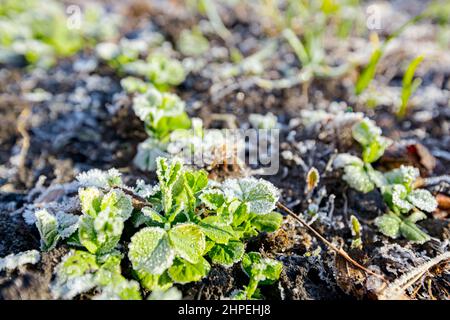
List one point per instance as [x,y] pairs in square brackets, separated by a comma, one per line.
[409,85]
[261,271]
[192,42]
[397,186]
[359,173]
[356,233]
[368,73]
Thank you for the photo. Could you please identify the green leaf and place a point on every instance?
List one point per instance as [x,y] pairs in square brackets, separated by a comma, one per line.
[312,179]
[405,175]
[423,200]
[373,151]
[118,202]
[183,271]
[90,199]
[158,282]
[366,132]
[412,232]
[395,196]
[263,270]
[212,198]
[47,226]
[154,219]
[148,151]
[416,216]
[375,176]
[215,229]
[188,241]
[268,222]
[170,181]
[358,179]
[260,196]
[367,75]
[408,85]
[345,159]
[227,254]
[389,225]
[150,250]
[100,234]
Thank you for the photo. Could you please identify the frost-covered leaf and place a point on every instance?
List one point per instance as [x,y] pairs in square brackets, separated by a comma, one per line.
[212,198]
[358,179]
[396,197]
[150,250]
[389,225]
[375,176]
[345,159]
[260,196]
[90,199]
[263,270]
[134,85]
[13,261]
[269,222]
[423,200]
[412,232]
[154,218]
[147,153]
[227,254]
[192,42]
[169,294]
[67,224]
[373,151]
[100,234]
[188,241]
[118,203]
[47,225]
[366,131]
[183,271]
[154,282]
[75,274]
[405,175]
[100,179]
[216,229]
[164,70]
[170,180]
[416,216]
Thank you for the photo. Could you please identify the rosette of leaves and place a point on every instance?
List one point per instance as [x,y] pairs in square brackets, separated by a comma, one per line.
[402,198]
[359,173]
[261,271]
[162,112]
[191,225]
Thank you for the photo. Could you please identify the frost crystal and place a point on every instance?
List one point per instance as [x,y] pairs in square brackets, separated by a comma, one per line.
[47,225]
[100,179]
[13,261]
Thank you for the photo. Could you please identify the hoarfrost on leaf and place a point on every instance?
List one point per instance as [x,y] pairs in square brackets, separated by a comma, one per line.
[423,200]
[47,225]
[100,179]
[260,196]
[188,241]
[150,250]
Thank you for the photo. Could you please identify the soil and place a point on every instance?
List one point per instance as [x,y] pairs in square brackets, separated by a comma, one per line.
[88,123]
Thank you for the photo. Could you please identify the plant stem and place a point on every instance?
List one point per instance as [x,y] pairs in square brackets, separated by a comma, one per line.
[339,251]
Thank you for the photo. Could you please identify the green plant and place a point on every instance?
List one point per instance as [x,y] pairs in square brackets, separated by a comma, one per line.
[183,224]
[40,31]
[261,271]
[401,197]
[409,85]
[397,186]
[359,173]
[126,57]
[192,42]
[368,73]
